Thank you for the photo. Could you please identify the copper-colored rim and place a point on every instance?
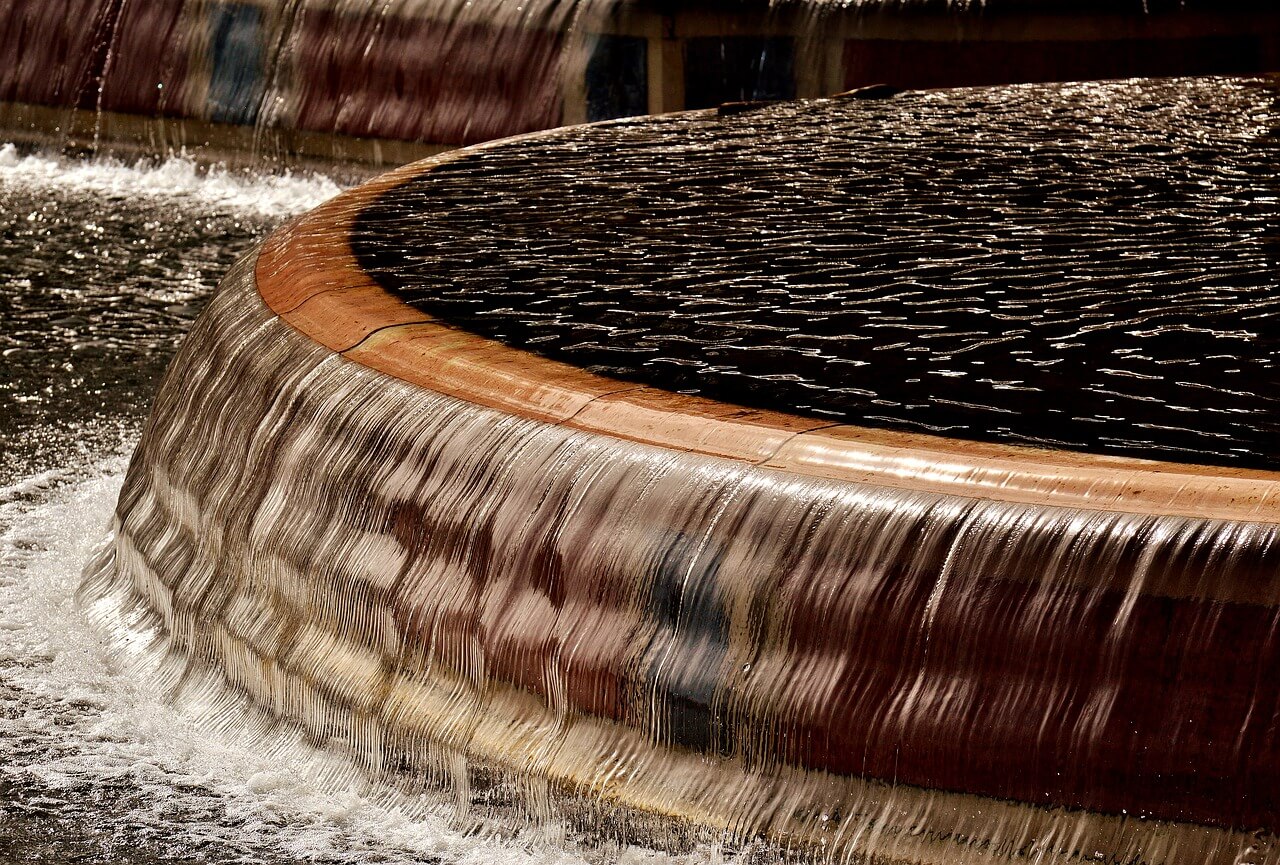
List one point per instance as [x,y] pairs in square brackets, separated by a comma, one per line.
[308,275]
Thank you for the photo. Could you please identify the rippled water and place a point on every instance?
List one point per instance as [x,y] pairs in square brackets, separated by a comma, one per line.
[1089,266]
[102,269]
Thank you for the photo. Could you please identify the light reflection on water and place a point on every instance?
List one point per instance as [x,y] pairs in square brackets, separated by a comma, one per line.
[103,267]
[1087,265]
[102,278]
[96,767]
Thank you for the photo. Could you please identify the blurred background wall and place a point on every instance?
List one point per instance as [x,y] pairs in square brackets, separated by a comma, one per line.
[386,81]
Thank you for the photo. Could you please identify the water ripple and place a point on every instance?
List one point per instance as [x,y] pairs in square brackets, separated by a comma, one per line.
[1089,266]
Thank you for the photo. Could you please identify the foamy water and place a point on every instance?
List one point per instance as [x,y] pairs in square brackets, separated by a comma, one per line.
[78,713]
[176,177]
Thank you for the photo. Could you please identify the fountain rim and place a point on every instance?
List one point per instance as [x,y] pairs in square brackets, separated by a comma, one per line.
[308,275]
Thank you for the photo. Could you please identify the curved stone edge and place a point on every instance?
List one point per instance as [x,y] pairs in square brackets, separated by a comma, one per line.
[510,729]
[308,275]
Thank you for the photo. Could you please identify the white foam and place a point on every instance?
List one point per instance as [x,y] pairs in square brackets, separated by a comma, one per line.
[102,721]
[31,485]
[177,177]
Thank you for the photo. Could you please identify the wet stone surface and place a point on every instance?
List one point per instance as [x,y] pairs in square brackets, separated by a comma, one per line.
[1087,266]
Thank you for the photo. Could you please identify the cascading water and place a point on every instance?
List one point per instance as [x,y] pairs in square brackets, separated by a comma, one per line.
[426,584]
[385,81]
[107,264]
[105,267]
[953,656]
[268,77]
[437,615]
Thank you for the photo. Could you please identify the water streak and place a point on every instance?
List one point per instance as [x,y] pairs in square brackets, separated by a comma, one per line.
[101,764]
[388,80]
[469,600]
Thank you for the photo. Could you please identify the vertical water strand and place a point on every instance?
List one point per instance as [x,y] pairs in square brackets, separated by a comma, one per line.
[443,72]
[109,47]
[275,96]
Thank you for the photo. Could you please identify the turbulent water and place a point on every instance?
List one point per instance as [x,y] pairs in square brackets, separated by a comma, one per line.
[355,621]
[97,766]
[1090,265]
[104,267]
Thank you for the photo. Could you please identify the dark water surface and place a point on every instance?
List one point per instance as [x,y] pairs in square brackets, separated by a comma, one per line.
[103,267]
[1088,266]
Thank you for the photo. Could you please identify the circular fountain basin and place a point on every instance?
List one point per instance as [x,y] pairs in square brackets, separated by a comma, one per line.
[390,490]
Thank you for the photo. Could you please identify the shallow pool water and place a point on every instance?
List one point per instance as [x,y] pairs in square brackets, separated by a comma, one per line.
[103,266]
[1088,266]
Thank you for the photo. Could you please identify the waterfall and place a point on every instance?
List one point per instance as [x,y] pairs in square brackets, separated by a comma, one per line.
[271,76]
[457,595]
[548,624]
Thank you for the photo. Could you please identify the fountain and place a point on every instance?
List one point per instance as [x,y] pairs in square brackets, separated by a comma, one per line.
[872,479]
[885,477]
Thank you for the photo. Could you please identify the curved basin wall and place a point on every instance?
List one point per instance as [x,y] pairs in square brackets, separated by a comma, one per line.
[854,666]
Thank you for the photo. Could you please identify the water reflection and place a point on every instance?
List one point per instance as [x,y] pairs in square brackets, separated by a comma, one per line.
[105,266]
[1090,266]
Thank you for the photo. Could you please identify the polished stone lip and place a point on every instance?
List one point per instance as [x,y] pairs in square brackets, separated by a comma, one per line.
[308,275]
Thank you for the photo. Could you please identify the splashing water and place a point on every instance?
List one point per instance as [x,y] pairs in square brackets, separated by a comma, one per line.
[178,178]
[92,762]
[281,78]
[106,264]
[92,751]
[311,629]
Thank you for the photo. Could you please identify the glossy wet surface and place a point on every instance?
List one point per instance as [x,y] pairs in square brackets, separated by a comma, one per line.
[1088,266]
